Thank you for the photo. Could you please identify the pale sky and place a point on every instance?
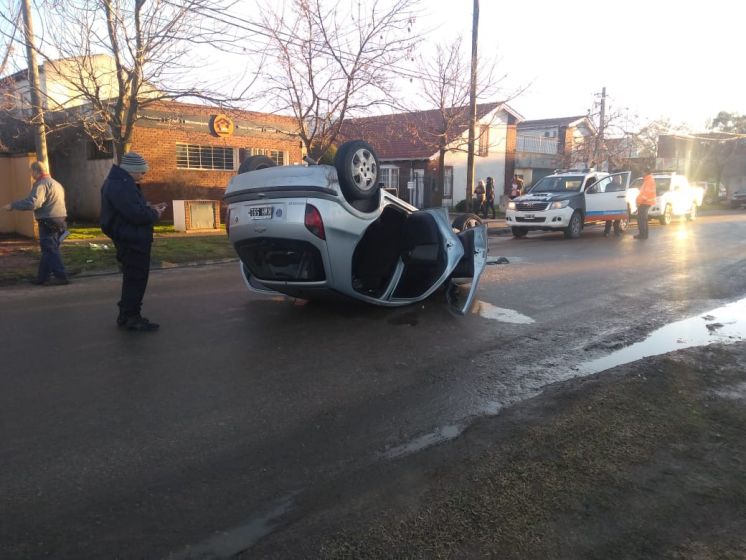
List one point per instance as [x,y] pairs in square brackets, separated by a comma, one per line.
[659,58]
[674,59]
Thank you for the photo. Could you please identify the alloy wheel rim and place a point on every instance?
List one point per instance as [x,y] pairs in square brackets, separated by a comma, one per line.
[364,170]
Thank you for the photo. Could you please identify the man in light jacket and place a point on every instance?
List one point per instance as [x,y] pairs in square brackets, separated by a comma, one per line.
[47,200]
[645,199]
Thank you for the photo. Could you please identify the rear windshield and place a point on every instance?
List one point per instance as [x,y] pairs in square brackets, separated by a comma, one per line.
[571,183]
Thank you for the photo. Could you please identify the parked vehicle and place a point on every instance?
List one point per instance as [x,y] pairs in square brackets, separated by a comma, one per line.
[675,197]
[318,231]
[568,200]
[737,198]
[714,192]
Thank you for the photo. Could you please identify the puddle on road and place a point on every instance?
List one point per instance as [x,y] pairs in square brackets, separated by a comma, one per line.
[724,325]
[489,311]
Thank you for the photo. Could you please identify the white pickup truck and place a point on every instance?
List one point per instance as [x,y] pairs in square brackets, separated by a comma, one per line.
[675,197]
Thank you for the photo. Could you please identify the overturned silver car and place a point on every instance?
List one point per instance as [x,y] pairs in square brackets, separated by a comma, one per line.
[319,230]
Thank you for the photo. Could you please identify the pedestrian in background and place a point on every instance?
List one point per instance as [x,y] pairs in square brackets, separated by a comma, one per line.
[128,219]
[47,200]
[515,190]
[479,193]
[645,199]
[489,197]
[519,182]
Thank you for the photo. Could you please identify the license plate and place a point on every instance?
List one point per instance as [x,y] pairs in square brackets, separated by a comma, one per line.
[529,216]
[260,212]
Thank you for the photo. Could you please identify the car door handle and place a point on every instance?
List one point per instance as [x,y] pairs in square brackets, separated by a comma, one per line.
[621,196]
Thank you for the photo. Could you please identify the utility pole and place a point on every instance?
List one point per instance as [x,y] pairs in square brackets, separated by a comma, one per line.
[472,105]
[40,136]
[600,148]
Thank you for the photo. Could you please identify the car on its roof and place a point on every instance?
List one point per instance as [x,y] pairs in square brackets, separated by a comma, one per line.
[321,231]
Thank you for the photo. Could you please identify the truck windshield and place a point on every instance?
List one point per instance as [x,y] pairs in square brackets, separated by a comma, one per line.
[570,183]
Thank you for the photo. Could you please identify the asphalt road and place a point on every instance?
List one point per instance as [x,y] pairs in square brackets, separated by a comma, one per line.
[243,411]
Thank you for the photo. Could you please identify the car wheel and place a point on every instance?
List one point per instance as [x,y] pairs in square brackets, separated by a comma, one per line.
[466,221]
[519,231]
[253,163]
[357,169]
[692,215]
[575,227]
[665,218]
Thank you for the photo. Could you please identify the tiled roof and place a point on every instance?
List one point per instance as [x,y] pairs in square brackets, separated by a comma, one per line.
[408,135]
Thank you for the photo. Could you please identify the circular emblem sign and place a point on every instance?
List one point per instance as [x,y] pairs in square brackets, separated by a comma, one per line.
[221,125]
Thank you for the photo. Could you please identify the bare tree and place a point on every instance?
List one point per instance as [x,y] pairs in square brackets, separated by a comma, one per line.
[330,64]
[122,57]
[445,88]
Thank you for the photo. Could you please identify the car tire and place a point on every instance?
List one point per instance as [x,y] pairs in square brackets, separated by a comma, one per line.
[465,221]
[253,163]
[575,227]
[519,231]
[692,215]
[667,215]
[357,170]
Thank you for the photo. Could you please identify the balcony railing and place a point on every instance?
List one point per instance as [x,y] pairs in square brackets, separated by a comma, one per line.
[537,144]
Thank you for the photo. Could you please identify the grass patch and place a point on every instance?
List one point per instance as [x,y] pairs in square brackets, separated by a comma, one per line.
[85,230]
[83,257]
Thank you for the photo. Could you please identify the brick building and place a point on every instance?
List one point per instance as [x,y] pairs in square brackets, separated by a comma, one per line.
[188,159]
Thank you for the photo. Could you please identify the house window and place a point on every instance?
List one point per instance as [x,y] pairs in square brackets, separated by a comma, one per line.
[192,156]
[389,176]
[484,140]
[103,150]
[277,156]
[448,182]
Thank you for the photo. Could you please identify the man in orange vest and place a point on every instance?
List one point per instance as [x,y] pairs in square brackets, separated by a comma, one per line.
[645,199]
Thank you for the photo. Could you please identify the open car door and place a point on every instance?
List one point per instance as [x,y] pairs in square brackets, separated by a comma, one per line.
[606,199]
[470,267]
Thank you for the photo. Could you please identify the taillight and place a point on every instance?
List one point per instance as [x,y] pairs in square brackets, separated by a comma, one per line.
[228,221]
[313,221]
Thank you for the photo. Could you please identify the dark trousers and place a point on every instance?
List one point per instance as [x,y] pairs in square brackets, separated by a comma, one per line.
[642,220]
[487,205]
[135,265]
[51,258]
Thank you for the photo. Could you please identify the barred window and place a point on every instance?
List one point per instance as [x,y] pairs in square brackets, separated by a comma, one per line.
[192,156]
[275,155]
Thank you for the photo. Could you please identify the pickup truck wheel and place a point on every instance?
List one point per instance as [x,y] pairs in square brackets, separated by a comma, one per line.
[519,231]
[575,227]
[692,215]
[665,218]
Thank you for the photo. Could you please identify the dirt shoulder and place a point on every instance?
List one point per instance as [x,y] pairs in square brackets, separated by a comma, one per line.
[647,460]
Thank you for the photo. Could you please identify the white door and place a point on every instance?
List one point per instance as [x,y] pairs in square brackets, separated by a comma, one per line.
[606,199]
